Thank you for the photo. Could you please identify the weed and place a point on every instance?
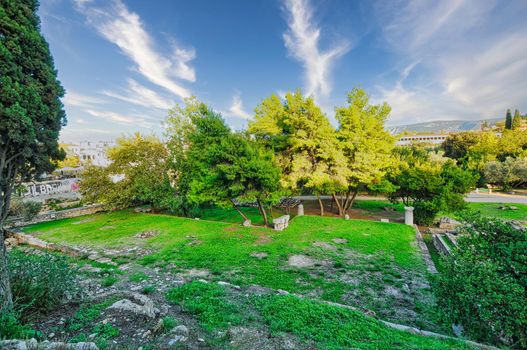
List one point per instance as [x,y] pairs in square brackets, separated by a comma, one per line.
[148,289]
[109,281]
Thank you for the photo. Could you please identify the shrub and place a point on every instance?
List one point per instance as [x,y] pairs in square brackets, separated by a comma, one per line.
[40,281]
[28,209]
[425,212]
[483,285]
[12,328]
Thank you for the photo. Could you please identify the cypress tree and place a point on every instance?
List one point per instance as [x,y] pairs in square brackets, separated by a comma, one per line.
[517,120]
[31,113]
[508,120]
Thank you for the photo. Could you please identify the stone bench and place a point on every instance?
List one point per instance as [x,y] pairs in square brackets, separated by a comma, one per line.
[281,223]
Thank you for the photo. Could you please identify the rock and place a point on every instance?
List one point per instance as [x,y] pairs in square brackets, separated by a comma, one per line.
[201,340]
[159,326]
[512,207]
[340,240]
[346,217]
[457,329]
[247,223]
[324,245]
[281,223]
[51,335]
[517,225]
[147,308]
[227,284]
[11,242]
[147,234]
[282,292]
[32,344]
[177,339]
[146,334]
[447,223]
[300,261]
[180,330]
[259,255]
[385,220]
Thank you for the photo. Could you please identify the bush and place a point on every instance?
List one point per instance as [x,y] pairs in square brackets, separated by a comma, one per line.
[40,282]
[28,210]
[425,212]
[11,328]
[483,285]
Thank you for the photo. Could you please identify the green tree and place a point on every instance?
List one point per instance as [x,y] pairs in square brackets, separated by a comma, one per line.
[30,110]
[137,174]
[516,120]
[429,185]
[366,144]
[305,144]
[510,171]
[508,120]
[219,167]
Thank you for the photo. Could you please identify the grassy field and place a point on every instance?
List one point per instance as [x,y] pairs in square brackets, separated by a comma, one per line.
[491,209]
[367,264]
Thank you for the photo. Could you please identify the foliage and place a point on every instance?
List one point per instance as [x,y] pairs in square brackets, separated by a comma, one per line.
[208,302]
[332,327]
[366,144]
[71,161]
[26,209]
[513,143]
[40,281]
[430,186]
[472,149]
[484,283]
[508,120]
[506,173]
[30,108]
[106,330]
[304,141]
[516,120]
[137,174]
[12,328]
[220,166]
[86,314]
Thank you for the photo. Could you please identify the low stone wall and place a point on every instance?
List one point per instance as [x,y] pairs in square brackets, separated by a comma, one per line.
[440,244]
[58,215]
[424,250]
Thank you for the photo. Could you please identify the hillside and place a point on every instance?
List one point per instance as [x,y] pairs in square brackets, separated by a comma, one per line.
[442,125]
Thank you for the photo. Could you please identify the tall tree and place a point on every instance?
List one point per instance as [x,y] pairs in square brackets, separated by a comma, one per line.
[516,120]
[305,144]
[31,112]
[508,120]
[366,144]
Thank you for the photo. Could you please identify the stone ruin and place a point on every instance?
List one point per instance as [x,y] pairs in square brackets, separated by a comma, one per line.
[281,223]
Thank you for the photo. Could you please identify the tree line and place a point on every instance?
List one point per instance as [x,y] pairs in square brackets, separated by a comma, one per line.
[289,148]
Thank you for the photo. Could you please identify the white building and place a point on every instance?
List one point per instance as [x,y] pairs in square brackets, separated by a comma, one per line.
[93,152]
[410,139]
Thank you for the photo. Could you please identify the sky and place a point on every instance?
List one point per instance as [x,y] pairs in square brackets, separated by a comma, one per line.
[124,63]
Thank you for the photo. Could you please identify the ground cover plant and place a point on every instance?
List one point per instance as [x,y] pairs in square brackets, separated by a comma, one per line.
[494,210]
[313,324]
[372,265]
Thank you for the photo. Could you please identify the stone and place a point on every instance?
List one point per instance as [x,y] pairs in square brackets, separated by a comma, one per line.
[300,209]
[346,217]
[177,339]
[146,308]
[448,223]
[180,330]
[282,292]
[300,261]
[247,223]
[281,222]
[409,216]
[385,220]
[340,240]
[32,344]
[227,284]
[259,255]
[324,245]
[147,234]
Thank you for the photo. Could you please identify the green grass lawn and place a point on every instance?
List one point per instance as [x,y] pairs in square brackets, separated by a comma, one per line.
[231,215]
[370,265]
[376,206]
[491,209]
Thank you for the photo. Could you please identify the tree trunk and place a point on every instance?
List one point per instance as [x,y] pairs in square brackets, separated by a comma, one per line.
[6,302]
[239,211]
[321,205]
[352,199]
[339,205]
[262,211]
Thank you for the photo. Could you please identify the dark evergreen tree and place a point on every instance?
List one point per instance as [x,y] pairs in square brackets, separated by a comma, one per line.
[517,120]
[31,113]
[508,120]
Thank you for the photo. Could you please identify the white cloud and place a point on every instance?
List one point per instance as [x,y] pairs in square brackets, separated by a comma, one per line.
[74,99]
[472,64]
[120,118]
[141,95]
[236,108]
[126,30]
[302,41]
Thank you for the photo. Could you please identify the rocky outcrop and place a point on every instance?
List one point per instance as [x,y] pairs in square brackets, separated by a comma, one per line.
[142,305]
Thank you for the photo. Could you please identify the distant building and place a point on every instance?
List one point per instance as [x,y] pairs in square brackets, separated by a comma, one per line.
[91,152]
[411,139]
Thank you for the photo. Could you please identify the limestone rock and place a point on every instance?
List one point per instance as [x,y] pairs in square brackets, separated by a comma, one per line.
[146,306]
[447,223]
[32,344]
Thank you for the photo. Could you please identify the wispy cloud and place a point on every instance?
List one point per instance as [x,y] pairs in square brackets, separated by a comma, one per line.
[303,40]
[141,95]
[472,65]
[236,109]
[75,99]
[120,118]
[125,29]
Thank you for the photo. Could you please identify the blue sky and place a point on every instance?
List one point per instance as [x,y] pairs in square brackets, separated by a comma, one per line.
[125,62]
